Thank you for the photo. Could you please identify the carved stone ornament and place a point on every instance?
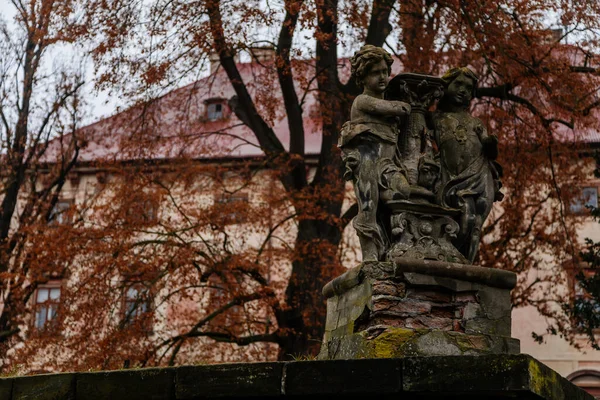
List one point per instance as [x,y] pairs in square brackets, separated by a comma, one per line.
[424,181]
[423,232]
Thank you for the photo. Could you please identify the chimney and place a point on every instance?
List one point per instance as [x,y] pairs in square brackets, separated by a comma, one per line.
[263,54]
[552,36]
[213,57]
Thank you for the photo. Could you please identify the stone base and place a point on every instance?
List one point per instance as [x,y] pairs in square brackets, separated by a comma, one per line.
[495,377]
[418,308]
[400,342]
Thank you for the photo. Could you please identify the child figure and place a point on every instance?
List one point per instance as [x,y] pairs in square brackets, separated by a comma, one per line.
[469,174]
[368,142]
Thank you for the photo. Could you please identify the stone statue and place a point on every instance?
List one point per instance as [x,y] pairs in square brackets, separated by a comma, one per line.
[469,177]
[425,181]
[369,142]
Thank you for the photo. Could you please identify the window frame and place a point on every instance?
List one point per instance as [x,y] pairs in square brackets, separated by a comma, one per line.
[147,315]
[50,325]
[577,291]
[210,115]
[578,378]
[149,211]
[232,217]
[579,205]
[56,216]
[219,297]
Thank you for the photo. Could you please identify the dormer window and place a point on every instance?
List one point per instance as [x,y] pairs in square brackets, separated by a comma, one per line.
[215,109]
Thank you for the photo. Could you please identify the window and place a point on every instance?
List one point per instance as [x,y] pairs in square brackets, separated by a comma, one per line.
[143,211]
[214,111]
[59,214]
[47,300]
[588,380]
[136,304]
[588,198]
[231,319]
[586,310]
[234,207]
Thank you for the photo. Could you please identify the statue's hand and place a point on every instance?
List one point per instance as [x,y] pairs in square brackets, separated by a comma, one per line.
[490,147]
[403,108]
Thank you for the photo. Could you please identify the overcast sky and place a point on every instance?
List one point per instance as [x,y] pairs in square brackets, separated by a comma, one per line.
[101,104]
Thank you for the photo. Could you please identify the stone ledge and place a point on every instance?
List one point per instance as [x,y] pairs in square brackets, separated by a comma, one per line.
[439,269]
[492,377]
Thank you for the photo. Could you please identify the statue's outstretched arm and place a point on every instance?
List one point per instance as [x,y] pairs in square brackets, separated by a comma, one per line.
[373,105]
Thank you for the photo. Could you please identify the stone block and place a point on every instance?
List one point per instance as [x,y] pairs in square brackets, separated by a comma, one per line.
[44,387]
[400,307]
[351,377]
[466,297]
[6,385]
[437,343]
[332,303]
[345,347]
[429,322]
[504,345]
[495,302]
[377,270]
[389,288]
[343,330]
[331,321]
[460,374]
[468,343]
[393,342]
[150,384]
[357,297]
[492,377]
[229,380]
[443,311]
[436,296]
[457,326]
[454,285]
[499,327]
[471,311]
[388,321]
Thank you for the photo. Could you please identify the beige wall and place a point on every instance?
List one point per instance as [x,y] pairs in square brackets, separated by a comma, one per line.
[556,352]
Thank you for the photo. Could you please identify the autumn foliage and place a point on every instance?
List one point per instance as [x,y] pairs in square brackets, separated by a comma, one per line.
[225,232]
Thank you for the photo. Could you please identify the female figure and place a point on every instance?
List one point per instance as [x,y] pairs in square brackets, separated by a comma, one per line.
[368,142]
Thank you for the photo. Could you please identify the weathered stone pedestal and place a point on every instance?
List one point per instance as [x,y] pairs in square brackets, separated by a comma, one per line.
[410,308]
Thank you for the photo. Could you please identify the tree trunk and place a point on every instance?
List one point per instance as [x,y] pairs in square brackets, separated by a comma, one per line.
[315,263]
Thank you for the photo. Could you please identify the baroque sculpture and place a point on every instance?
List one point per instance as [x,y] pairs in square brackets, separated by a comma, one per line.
[424,181]
[425,177]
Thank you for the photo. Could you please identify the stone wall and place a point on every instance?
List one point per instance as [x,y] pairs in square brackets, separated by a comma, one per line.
[484,377]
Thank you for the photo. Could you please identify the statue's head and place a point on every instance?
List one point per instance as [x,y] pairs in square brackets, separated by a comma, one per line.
[461,85]
[369,64]
[429,171]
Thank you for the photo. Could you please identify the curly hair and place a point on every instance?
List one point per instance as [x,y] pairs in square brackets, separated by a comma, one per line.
[453,73]
[365,58]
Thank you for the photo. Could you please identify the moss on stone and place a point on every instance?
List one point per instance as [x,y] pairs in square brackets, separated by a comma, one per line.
[544,382]
[393,342]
